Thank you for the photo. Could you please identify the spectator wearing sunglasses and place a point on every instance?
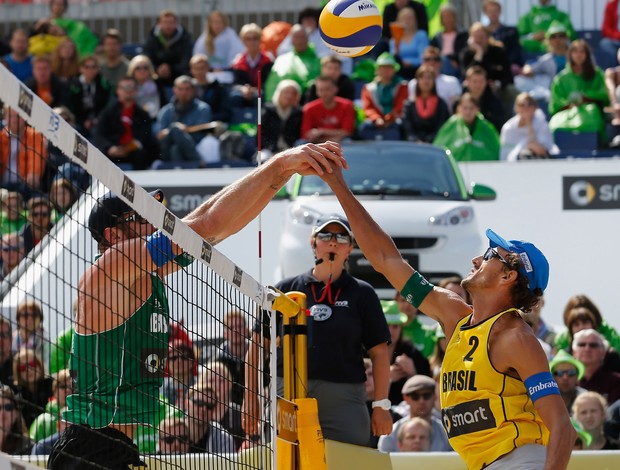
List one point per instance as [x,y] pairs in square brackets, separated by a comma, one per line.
[31,384]
[182,367]
[345,317]
[448,87]
[12,252]
[567,372]
[419,396]
[206,435]
[173,436]
[590,347]
[14,438]
[39,221]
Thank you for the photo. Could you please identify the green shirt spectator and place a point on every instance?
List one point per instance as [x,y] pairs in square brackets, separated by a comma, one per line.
[468,135]
[534,23]
[301,64]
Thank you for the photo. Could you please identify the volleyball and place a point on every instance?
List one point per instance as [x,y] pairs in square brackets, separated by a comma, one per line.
[350,27]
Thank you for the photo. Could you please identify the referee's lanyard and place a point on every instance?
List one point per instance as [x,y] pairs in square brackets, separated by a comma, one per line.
[322,308]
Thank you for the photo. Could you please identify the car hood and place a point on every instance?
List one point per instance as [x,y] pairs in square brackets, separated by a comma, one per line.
[396,216]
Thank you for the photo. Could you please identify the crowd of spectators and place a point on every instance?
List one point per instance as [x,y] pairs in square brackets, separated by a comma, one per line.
[68,65]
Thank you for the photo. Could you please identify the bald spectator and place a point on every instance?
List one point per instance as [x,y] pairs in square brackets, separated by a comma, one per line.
[415,435]
[590,348]
[419,394]
[301,64]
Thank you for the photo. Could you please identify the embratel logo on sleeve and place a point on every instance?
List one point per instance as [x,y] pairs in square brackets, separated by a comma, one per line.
[465,418]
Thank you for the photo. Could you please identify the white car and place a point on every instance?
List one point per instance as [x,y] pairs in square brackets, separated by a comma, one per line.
[415,192]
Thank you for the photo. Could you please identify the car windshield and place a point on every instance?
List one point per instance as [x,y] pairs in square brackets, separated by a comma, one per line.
[388,169]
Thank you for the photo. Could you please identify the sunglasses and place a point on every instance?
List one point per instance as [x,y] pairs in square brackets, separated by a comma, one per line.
[203,403]
[12,247]
[29,365]
[8,407]
[340,237]
[493,253]
[432,59]
[591,345]
[416,396]
[565,373]
[175,358]
[135,218]
[171,439]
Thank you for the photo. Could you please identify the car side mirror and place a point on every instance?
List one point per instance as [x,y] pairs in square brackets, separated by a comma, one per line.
[481,192]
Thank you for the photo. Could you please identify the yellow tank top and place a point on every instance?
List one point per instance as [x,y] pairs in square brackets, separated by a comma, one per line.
[486,414]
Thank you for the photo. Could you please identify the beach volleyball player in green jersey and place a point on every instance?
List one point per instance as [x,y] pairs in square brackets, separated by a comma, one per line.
[121,326]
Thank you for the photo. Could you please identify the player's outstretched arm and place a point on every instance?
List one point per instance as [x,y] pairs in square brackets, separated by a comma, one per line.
[380,250]
[235,206]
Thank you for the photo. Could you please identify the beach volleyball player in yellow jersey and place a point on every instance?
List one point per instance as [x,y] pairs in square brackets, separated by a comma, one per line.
[501,407]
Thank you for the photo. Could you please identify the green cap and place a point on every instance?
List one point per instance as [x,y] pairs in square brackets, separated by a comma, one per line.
[562,356]
[554,28]
[388,59]
[584,435]
[393,316]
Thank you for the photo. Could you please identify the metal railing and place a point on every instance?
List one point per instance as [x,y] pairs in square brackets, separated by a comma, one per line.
[135,18]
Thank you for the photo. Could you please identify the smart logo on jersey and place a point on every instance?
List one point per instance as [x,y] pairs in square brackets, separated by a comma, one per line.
[591,192]
[468,417]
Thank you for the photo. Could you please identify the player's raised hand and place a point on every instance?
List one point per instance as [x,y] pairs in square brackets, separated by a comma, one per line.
[313,159]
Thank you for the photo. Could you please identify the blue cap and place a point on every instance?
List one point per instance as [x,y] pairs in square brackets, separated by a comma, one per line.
[533,263]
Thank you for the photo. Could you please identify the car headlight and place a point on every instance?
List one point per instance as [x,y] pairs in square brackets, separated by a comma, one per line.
[304,215]
[458,216]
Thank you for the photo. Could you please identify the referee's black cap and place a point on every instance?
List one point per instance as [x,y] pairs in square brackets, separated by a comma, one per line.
[107,211]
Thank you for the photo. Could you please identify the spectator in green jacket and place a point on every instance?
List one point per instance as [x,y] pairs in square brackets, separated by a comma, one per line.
[564,339]
[12,214]
[578,93]
[467,134]
[533,25]
[301,64]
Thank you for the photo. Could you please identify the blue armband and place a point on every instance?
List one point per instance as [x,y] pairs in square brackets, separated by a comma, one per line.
[540,385]
[416,289]
[160,248]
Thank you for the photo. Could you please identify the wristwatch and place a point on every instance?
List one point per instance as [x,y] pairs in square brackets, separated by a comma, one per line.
[384,404]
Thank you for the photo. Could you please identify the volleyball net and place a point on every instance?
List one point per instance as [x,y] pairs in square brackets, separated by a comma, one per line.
[56,292]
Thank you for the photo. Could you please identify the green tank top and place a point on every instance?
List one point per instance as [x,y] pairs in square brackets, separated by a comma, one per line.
[117,373]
